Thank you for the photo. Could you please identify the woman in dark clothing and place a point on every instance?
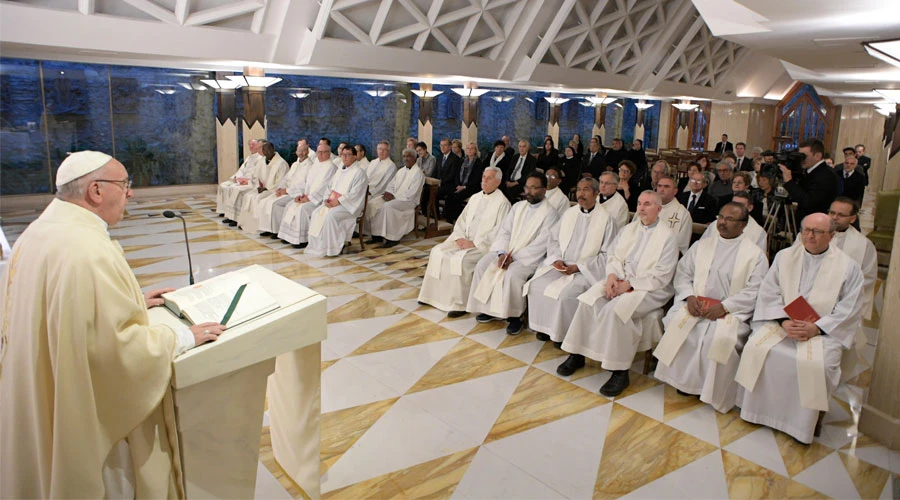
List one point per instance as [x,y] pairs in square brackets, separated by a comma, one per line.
[628,184]
[579,147]
[548,156]
[570,166]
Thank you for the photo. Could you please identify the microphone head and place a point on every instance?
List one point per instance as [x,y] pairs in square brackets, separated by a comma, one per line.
[169,214]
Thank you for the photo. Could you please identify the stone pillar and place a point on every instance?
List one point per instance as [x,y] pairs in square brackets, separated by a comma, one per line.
[426,112]
[253,125]
[226,134]
[599,121]
[469,128]
[665,115]
[639,127]
[553,119]
[682,132]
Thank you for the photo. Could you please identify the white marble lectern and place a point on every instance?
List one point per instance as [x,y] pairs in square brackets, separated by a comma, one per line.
[220,389]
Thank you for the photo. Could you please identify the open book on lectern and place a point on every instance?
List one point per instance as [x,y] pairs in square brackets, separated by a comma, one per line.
[232,298]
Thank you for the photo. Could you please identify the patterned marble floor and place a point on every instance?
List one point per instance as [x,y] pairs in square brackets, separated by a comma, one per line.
[418,405]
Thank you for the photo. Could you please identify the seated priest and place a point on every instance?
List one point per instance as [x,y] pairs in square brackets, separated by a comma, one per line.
[274,170]
[716,284]
[555,197]
[639,270]
[85,396]
[673,213]
[520,245]
[380,171]
[271,210]
[331,225]
[451,264]
[612,201]
[576,259]
[293,227]
[393,214]
[808,310]
[754,232]
[231,192]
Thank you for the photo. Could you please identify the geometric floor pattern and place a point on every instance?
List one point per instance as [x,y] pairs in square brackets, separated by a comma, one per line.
[419,405]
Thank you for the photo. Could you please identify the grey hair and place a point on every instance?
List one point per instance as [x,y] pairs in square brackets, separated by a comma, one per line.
[656,197]
[595,184]
[757,149]
[614,175]
[76,188]
[497,172]
[410,151]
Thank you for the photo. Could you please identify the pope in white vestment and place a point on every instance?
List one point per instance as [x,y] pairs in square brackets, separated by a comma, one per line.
[271,174]
[612,201]
[271,209]
[699,351]
[306,198]
[789,369]
[607,324]
[230,193]
[380,171]
[576,260]
[520,245]
[451,264]
[393,214]
[331,225]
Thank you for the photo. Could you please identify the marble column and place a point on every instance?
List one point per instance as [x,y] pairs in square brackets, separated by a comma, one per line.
[599,121]
[469,128]
[665,115]
[426,111]
[226,134]
[553,121]
[683,131]
[639,127]
[253,125]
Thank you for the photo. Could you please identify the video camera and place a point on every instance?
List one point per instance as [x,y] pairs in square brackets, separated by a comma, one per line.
[793,160]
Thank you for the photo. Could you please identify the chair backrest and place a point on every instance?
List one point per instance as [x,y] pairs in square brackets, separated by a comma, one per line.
[886,204]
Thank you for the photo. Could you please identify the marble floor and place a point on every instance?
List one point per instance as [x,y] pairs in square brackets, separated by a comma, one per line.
[418,405]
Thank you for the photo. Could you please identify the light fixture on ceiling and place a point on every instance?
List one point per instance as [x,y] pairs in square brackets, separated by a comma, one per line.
[892,95]
[685,105]
[502,98]
[883,111]
[300,94]
[643,105]
[426,91]
[254,81]
[222,84]
[379,92]
[885,50]
[555,100]
[469,91]
[191,86]
[600,100]
[529,99]
[587,104]
[165,91]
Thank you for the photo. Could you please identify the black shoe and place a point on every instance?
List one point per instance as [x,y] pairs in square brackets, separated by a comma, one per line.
[390,244]
[679,391]
[455,314]
[274,236]
[485,318]
[514,327]
[616,384]
[355,235]
[226,221]
[558,345]
[286,242]
[543,337]
[220,215]
[375,239]
[232,223]
[572,364]
[264,234]
[300,245]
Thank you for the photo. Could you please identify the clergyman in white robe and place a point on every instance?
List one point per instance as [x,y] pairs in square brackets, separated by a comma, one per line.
[786,383]
[699,355]
[271,209]
[448,276]
[617,208]
[332,226]
[582,237]
[379,172]
[392,219]
[558,200]
[231,192]
[271,175]
[524,234]
[753,232]
[294,225]
[678,219]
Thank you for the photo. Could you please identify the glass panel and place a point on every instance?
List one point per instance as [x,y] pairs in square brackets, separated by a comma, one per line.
[23,162]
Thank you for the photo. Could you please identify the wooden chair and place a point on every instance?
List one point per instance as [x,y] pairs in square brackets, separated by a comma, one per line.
[431,210]
[359,223]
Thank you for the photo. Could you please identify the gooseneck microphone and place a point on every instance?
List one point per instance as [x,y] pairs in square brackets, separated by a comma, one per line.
[171,215]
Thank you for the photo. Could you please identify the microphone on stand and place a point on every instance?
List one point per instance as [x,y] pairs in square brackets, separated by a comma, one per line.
[171,215]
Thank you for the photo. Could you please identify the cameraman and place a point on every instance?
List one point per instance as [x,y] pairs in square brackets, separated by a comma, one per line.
[817,186]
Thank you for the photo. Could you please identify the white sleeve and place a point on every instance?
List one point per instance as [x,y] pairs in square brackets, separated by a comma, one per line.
[184,341]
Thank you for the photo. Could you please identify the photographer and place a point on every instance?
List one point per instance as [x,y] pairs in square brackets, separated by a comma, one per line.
[814,186]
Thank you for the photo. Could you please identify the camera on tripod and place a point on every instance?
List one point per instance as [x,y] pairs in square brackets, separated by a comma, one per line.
[793,160]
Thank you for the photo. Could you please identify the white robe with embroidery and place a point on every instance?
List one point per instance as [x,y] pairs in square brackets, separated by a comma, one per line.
[379,172]
[691,370]
[337,223]
[393,219]
[230,193]
[294,223]
[775,401]
[753,231]
[271,209]
[596,330]
[270,177]
[553,316]
[478,223]
[525,261]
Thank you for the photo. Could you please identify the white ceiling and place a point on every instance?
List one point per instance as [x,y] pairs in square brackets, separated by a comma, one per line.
[712,49]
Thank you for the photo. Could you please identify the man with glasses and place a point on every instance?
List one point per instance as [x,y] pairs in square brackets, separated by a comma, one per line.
[555,197]
[791,363]
[331,225]
[753,231]
[86,378]
[716,284]
[844,212]
[611,200]
[721,186]
[246,179]
[700,204]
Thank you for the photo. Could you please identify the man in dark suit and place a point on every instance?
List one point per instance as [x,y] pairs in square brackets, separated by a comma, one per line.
[700,204]
[446,168]
[594,162]
[817,187]
[467,184]
[638,157]
[742,161]
[616,154]
[864,162]
[521,166]
[724,145]
[508,149]
[851,182]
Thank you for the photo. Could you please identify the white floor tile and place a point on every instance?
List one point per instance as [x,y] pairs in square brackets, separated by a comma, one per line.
[886,493]
[461,326]
[830,477]
[594,382]
[346,337]
[344,385]
[564,454]
[878,455]
[350,278]
[338,301]
[492,339]
[702,478]
[836,412]
[432,314]
[369,286]
[524,352]
[700,423]
[489,476]
[401,368]
[408,304]
[650,402]
[388,295]
[267,487]
[760,448]
[834,436]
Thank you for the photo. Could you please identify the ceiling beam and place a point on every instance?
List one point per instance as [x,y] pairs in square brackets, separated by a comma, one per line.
[519,65]
[227,11]
[147,7]
[660,47]
[649,82]
[87,7]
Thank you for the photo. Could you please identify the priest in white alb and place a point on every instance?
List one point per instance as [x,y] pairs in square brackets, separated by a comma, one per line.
[451,264]
[381,170]
[844,212]
[673,213]
[518,249]
[716,284]
[271,209]
[555,197]
[230,193]
[576,260]
[271,174]
[790,367]
[612,201]
[331,225]
[307,198]
[86,408]
[753,232]
[393,214]
[607,326]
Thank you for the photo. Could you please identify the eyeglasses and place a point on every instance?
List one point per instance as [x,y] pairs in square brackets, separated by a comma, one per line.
[125,183]
[695,181]
[607,183]
[836,214]
[815,232]
[730,219]
[552,177]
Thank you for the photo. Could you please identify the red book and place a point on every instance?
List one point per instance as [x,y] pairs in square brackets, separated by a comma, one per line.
[800,310]
[707,302]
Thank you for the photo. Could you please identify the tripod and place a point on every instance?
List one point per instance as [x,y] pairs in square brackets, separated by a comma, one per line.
[779,239]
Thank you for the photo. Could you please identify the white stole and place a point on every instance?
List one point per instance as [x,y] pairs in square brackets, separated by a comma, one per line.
[317,220]
[811,353]
[725,336]
[436,259]
[523,232]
